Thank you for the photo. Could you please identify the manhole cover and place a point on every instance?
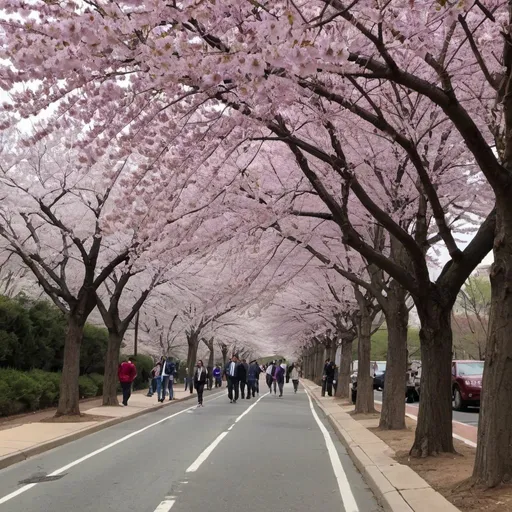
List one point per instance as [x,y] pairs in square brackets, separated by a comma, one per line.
[40,479]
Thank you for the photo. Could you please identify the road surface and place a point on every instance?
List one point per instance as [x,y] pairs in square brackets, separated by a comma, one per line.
[251,456]
[469,417]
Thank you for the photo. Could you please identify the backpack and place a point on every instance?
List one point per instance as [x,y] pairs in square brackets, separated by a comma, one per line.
[170,368]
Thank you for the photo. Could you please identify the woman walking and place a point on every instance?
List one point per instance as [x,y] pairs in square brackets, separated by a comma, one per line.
[294,375]
[200,377]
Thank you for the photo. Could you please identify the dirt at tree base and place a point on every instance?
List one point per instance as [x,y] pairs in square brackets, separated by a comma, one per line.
[75,419]
[448,473]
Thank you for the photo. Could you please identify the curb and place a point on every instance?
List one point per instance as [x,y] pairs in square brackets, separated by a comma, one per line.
[22,455]
[396,487]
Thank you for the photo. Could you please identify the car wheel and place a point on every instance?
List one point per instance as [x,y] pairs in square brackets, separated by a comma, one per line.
[458,403]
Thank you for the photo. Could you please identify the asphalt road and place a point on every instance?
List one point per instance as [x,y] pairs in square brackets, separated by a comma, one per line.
[275,453]
[469,417]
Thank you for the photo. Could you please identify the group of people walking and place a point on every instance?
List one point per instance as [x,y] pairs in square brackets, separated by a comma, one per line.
[163,375]
[275,374]
[243,379]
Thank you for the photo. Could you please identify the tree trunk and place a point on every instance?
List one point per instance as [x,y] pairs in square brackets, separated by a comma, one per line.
[343,390]
[392,416]
[224,355]
[493,463]
[211,357]
[331,353]
[69,394]
[434,427]
[365,402]
[111,365]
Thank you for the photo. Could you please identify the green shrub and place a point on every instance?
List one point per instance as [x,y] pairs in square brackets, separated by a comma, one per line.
[87,388]
[98,380]
[24,389]
[50,387]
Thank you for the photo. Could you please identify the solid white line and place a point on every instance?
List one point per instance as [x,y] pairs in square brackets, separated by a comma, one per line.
[464,440]
[349,502]
[251,407]
[25,488]
[206,453]
[165,506]
[21,490]
[208,450]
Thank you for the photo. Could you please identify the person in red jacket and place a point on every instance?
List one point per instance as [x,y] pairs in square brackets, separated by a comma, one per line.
[126,373]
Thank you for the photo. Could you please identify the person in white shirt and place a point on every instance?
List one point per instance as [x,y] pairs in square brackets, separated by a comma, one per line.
[270,376]
[294,375]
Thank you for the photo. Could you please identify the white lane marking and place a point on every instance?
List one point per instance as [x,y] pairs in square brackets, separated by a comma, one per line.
[16,493]
[209,449]
[464,440]
[27,487]
[206,453]
[349,502]
[165,506]
[249,408]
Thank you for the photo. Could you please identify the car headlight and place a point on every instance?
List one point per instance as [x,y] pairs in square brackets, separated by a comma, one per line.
[473,382]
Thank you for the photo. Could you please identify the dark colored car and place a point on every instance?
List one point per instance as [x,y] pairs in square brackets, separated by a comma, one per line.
[378,380]
[466,383]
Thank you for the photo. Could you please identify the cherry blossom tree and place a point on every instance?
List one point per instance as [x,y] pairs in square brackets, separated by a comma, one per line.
[268,62]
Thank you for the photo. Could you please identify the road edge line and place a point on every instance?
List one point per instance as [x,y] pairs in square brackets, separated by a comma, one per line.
[388,496]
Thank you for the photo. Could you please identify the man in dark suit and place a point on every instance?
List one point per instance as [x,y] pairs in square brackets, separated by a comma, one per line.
[243,371]
[232,374]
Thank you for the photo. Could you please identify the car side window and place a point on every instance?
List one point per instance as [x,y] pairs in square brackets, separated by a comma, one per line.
[453,370]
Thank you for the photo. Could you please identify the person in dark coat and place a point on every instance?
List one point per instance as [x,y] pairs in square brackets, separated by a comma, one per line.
[243,372]
[232,375]
[200,378]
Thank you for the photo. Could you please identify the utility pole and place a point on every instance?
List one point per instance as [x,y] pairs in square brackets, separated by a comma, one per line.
[136,335]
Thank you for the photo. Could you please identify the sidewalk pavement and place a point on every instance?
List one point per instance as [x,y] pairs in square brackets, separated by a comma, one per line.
[33,437]
[397,487]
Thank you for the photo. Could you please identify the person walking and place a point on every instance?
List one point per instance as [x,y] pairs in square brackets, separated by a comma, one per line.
[126,373]
[156,381]
[200,378]
[217,376]
[232,372]
[243,371]
[173,369]
[252,375]
[168,369]
[187,381]
[210,377]
[324,375]
[294,375]
[329,377]
[269,373]
[335,378]
[279,378]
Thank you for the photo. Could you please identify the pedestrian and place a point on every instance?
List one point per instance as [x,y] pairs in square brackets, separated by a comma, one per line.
[156,381]
[173,369]
[335,379]
[243,370]
[269,372]
[217,375]
[187,382]
[279,378]
[126,373]
[200,378]
[329,377]
[324,375]
[252,375]
[168,370]
[294,375]
[232,372]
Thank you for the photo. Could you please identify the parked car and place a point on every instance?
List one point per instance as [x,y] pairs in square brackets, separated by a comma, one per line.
[378,380]
[466,383]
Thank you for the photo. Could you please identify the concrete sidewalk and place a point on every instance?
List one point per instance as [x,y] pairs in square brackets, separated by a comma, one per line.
[34,437]
[397,487]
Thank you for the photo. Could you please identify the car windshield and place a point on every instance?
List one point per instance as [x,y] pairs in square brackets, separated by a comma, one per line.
[381,367]
[476,368]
